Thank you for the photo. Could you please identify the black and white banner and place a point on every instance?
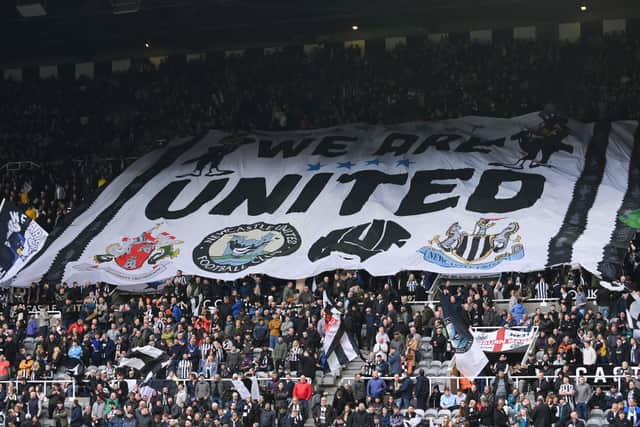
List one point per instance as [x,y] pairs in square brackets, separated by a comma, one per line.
[22,238]
[470,195]
[148,360]
[469,357]
[339,348]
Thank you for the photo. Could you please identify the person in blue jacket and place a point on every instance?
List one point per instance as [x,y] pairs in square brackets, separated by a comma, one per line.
[376,386]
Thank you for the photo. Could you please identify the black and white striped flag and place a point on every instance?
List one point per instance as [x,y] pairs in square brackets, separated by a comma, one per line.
[148,360]
[339,347]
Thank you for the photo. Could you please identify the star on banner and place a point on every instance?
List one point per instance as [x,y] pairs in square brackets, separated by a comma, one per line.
[405,163]
[347,165]
[314,166]
[374,162]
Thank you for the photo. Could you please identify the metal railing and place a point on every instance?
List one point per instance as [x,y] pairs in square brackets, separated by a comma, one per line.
[453,382]
[19,383]
[16,166]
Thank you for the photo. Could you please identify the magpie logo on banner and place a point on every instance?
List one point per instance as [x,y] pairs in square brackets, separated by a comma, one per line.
[22,239]
[361,241]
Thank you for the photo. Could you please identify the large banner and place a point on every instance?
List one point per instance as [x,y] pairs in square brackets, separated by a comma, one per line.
[471,195]
[21,238]
[504,340]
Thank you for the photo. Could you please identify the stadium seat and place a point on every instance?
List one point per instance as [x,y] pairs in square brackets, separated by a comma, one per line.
[432,372]
[455,412]
[431,413]
[328,379]
[596,413]
[444,412]
[436,364]
[424,363]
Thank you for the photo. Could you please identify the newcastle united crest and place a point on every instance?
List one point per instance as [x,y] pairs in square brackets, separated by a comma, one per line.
[234,249]
[137,257]
[481,249]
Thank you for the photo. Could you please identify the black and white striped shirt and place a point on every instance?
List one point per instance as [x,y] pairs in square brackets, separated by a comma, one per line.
[295,353]
[218,354]
[205,348]
[542,289]
[184,368]
[564,390]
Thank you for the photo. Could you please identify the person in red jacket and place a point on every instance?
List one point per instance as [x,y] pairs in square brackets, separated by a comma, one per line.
[303,391]
[77,327]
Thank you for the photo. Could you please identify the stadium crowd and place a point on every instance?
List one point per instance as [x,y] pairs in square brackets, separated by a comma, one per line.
[68,127]
[268,328]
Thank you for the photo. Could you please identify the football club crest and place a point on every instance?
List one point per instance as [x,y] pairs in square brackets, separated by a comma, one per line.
[138,257]
[234,249]
[479,250]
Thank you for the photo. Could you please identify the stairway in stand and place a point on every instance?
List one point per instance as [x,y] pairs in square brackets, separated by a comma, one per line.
[328,383]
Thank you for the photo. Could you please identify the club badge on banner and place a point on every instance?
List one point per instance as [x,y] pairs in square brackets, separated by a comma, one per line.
[458,196]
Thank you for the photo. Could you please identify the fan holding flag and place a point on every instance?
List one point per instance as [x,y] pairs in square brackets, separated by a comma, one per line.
[470,359]
[339,347]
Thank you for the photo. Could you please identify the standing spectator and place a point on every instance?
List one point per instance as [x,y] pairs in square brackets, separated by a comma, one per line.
[5,367]
[274,330]
[541,414]
[421,390]
[439,344]
[323,413]
[375,387]
[60,415]
[583,392]
[76,414]
[303,391]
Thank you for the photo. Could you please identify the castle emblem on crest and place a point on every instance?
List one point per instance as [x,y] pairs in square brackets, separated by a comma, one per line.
[480,249]
[141,254]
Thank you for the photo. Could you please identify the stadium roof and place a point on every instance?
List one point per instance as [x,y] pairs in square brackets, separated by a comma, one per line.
[89,28]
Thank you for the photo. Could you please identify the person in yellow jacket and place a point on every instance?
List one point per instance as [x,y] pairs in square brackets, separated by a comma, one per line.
[31,213]
[274,330]
[24,368]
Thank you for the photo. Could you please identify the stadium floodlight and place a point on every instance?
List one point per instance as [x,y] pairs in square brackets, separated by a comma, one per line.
[583,8]
[31,8]
[354,27]
[147,44]
[120,7]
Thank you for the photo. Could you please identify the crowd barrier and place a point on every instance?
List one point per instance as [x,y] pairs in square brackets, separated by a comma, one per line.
[74,384]
[16,166]
[453,382]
